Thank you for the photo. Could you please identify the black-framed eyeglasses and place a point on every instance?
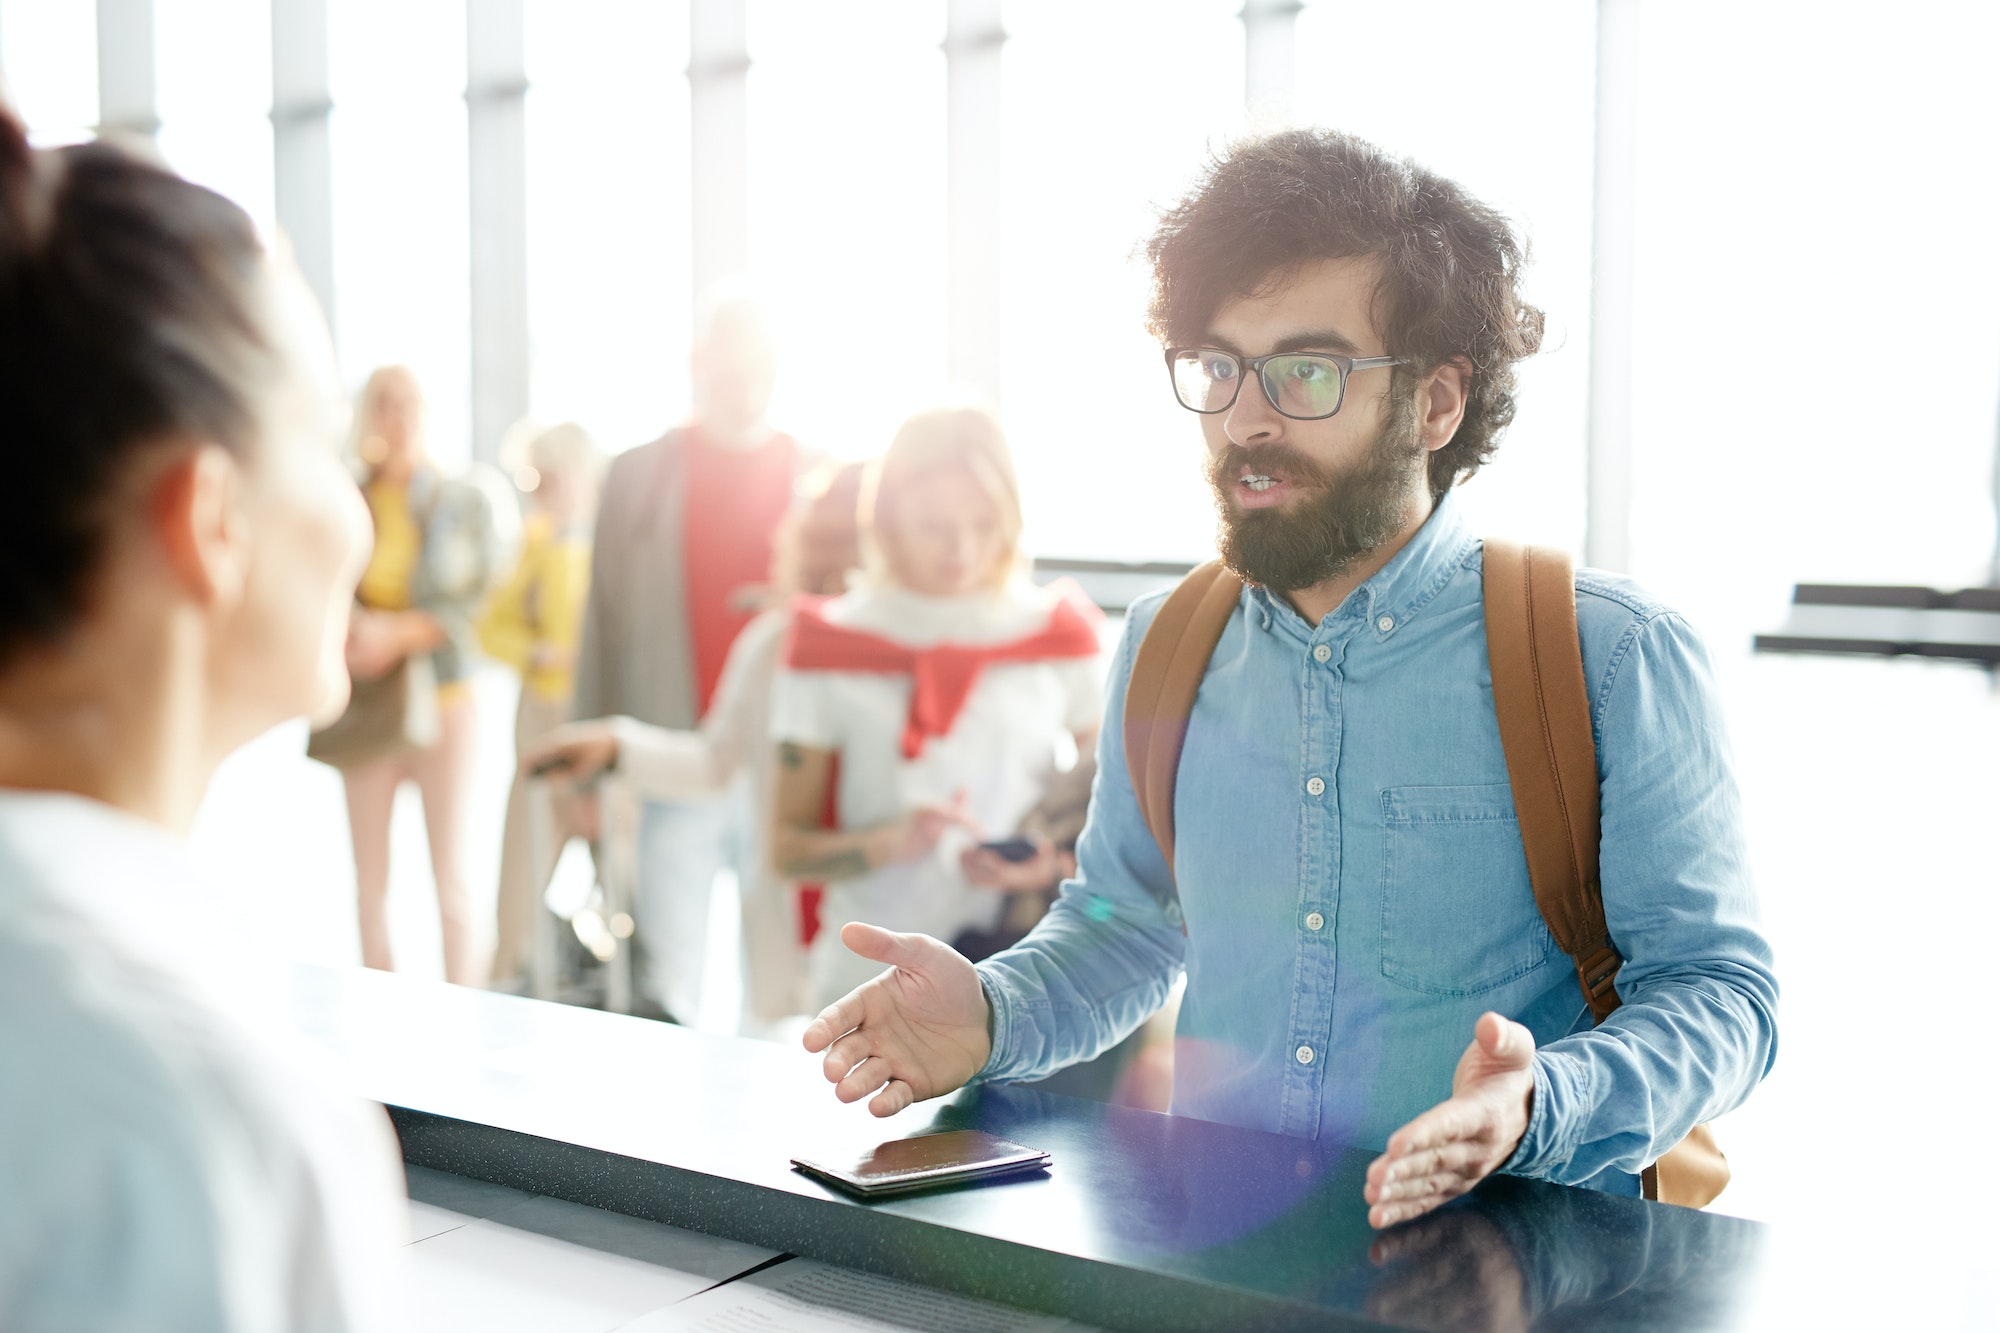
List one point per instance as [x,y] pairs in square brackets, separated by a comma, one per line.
[1305,386]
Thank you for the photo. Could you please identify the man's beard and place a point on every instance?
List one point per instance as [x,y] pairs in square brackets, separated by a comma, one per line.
[1339,517]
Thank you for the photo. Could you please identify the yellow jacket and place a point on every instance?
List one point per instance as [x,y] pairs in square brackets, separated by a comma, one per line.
[535,618]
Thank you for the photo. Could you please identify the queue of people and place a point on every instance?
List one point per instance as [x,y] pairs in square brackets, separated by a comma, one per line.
[191,561]
[853,697]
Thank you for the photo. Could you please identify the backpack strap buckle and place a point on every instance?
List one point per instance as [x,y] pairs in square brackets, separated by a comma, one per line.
[1598,971]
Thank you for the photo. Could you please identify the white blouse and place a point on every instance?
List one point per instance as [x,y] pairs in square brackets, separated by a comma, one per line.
[164,1164]
[1001,753]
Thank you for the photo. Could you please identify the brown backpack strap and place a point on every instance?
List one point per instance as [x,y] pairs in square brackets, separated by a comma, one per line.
[1159,697]
[1544,713]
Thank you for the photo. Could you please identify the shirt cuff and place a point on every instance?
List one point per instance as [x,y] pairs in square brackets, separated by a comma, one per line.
[999,1027]
[1553,1122]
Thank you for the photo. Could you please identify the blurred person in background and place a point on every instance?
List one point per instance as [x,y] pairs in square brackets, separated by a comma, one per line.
[818,547]
[684,540]
[181,546]
[441,542]
[532,624]
[931,702]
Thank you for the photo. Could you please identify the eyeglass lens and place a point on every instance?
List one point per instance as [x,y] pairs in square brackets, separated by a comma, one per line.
[1301,385]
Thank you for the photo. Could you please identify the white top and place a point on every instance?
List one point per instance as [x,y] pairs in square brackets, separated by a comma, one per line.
[163,1165]
[1001,752]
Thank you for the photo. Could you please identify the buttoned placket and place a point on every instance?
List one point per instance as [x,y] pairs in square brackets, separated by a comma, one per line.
[1314,967]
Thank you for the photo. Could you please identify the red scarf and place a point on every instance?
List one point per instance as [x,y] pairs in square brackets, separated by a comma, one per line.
[943,676]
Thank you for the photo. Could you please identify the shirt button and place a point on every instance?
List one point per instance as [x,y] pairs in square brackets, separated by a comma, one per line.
[1314,921]
[1386,623]
[1321,653]
[1315,785]
[1304,1055]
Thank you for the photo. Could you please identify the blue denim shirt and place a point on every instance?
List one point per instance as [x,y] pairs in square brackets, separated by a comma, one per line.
[1355,893]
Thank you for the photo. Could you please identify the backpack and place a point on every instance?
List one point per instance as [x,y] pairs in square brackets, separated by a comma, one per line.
[1543,709]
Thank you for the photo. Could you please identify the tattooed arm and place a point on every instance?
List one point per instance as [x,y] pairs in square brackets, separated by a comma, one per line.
[801,849]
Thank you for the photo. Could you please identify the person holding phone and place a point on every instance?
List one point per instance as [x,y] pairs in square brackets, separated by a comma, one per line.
[182,546]
[930,703]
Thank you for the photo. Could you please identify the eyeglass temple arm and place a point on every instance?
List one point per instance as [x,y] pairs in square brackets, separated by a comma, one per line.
[1371,362]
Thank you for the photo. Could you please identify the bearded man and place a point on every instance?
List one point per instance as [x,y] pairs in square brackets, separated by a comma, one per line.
[1349,898]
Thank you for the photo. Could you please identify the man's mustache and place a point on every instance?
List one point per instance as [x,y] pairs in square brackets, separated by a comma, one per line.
[1265,459]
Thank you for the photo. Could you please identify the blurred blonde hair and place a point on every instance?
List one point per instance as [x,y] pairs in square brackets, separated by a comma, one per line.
[531,446]
[961,438]
[361,421]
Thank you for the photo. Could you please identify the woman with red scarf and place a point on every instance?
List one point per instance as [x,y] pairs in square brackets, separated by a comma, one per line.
[930,707]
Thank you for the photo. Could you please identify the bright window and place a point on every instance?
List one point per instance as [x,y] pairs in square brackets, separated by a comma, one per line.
[608,261]
[48,67]
[213,63]
[401,252]
[847,212]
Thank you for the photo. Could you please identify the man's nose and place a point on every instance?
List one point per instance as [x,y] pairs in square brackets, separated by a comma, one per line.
[1251,419]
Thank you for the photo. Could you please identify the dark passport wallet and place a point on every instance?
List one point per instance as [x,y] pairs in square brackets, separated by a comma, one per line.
[929,1161]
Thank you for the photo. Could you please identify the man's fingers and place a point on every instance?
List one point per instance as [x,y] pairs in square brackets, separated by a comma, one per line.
[842,1016]
[896,1097]
[1389,1214]
[1457,1156]
[845,1053]
[1450,1184]
[869,1076]
[1444,1123]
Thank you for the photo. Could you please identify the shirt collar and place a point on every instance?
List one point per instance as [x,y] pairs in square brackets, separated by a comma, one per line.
[134,882]
[1394,594]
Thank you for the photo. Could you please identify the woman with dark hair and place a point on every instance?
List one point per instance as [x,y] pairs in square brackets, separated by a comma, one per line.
[181,546]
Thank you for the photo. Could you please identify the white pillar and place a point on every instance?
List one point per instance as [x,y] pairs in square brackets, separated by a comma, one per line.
[972,46]
[718,86]
[1607,533]
[128,103]
[1270,32]
[301,139]
[496,92]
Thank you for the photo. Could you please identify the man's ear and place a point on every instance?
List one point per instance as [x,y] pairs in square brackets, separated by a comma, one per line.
[1441,402]
[198,522]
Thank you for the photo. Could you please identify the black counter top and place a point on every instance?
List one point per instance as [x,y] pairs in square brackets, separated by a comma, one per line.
[1143,1221]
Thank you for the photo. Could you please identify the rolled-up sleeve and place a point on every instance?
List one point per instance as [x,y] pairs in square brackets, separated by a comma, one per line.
[1106,955]
[1698,1026]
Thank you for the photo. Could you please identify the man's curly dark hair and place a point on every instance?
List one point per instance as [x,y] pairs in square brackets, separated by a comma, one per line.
[1451,265]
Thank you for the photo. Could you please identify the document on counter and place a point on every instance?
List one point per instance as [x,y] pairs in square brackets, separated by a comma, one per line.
[802,1296]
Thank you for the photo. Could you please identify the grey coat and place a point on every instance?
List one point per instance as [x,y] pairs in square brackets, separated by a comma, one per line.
[636,657]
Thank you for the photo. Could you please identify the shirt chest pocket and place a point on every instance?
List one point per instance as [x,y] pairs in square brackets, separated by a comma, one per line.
[1458,914]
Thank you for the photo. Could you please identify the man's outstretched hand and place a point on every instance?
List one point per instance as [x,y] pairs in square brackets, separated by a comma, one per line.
[1456,1144]
[915,1032]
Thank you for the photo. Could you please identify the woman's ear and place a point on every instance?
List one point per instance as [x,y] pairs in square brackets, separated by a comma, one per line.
[198,522]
